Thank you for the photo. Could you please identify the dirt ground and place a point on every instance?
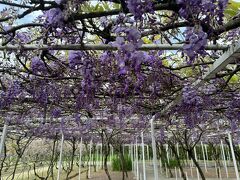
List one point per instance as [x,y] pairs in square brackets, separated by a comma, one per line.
[210,173]
[101,175]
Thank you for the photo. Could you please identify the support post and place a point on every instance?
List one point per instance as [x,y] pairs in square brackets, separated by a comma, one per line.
[80,159]
[167,152]
[233,156]
[178,150]
[101,155]
[148,155]
[110,157]
[60,158]
[206,151]
[176,176]
[154,149]
[143,158]
[131,150]
[4,133]
[90,159]
[224,158]
[137,160]
[204,159]
[97,160]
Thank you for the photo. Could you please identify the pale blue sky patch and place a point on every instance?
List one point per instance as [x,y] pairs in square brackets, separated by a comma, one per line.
[28,18]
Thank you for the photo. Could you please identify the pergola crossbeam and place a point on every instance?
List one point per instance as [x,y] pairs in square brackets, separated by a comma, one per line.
[102,47]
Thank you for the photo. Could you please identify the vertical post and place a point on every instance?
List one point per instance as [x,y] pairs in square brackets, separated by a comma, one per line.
[112,151]
[191,167]
[4,133]
[131,149]
[167,151]
[110,157]
[101,155]
[204,159]
[148,155]
[134,162]
[137,168]
[186,175]
[224,158]
[90,159]
[160,161]
[154,149]
[220,172]
[206,151]
[60,158]
[228,156]
[166,170]
[80,159]
[177,149]
[176,176]
[216,169]
[96,161]
[195,154]
[233,155]
[143,158]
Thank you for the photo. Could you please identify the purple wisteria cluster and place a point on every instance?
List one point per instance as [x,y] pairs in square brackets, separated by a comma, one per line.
[54,18]
[205,11]
[196,40]
[232,112]
[14,90]
[83,90]
[127,45]
[139,7]
[37,65]
[201,13]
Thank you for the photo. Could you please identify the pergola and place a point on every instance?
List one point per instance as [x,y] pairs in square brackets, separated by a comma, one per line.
[101,71]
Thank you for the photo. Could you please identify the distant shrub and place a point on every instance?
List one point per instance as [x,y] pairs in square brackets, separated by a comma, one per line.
[172,163]
[116,164]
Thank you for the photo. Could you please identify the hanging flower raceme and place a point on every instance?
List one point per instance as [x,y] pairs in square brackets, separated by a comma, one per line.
[205,13]
[75,58]
[37,65]
[54,18]
[139,7]
[56,112]
[196,42]
[127,46]
[12,92]
[190,96]
[130,42]
[191,106]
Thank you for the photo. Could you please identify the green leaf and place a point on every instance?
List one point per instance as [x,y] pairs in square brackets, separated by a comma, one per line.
[234,79]
[106,6]
[116,6]
[232,9]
